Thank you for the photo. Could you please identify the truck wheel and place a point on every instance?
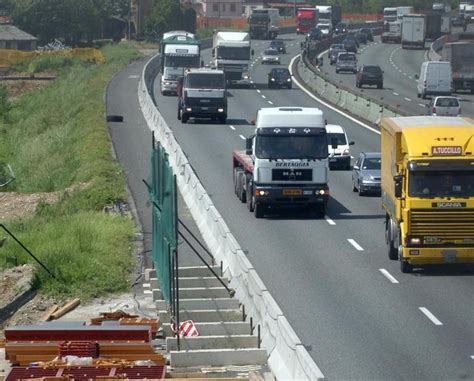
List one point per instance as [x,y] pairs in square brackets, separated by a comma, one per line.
[320,210]
[179,113]
[241,187]
[184,118]
[259,210]
[354,188]
[392,251]
[249,195]
[222,119]
[236,180]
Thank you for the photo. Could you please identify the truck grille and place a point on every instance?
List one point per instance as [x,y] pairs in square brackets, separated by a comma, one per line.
[292,174]
[447,225]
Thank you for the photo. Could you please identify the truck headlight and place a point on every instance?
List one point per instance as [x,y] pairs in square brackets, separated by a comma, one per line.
[246,76]
[288,80]
[220,110]
[346,152]
[189,109]
[273,79]
[415,241]
[261,192]
[321,192]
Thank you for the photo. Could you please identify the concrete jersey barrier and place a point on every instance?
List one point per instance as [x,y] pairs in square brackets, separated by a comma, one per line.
[288,358]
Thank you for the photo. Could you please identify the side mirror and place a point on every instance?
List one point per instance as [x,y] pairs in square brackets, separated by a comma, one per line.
[351,143]
[202,63]
[334,144]
[356,167]
[398,185]
[248,145]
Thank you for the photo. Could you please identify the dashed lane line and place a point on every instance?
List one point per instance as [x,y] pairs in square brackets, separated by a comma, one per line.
[355,244]
[389,276]
[258,91]
[232,128]
[430,316]
[264,97]
[242,137]
[329,221]
[394,93]
[421,105]
[270,102]
[408,99]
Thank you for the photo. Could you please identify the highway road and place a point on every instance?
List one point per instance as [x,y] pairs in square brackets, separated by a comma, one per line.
[400,67]
[359,316]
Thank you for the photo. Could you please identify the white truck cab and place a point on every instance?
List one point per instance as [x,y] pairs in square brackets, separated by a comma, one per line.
[285,162]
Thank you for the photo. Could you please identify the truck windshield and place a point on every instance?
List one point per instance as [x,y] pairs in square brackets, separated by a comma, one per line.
[259,19]
[389,13]
[205,81]
[441,183]
[291,147]
[181,61]
[340,138]
[233,52]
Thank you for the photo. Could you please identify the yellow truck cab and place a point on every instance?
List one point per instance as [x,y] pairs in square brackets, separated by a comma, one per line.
[428,189]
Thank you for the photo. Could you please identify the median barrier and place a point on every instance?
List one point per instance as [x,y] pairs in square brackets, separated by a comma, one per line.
[279,340]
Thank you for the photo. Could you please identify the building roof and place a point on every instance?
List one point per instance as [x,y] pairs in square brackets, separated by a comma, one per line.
[12,33]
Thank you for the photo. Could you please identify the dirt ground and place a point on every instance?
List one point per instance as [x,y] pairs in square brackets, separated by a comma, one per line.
[16,88]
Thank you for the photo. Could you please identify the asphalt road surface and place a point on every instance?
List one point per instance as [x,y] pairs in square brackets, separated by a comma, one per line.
[400,85]
[360,317]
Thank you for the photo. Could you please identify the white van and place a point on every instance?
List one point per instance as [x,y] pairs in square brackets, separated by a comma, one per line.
[338,147]
[435,79]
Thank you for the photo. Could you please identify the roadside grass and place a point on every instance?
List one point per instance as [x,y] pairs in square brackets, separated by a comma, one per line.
[56,138]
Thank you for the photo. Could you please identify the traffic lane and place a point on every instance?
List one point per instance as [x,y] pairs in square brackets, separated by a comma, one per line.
[392,94]
[229,179]
[356,215]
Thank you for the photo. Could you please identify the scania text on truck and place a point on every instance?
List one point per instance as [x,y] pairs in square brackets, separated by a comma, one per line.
[231,53]
[306,18]
[263,23]
[285,162]
[428,189]
[179,50]
[413,31]
[203,95]
[461,56]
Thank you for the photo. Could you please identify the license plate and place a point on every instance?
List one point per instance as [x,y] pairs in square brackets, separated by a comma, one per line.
[332,159]
[292,192]
[204,108]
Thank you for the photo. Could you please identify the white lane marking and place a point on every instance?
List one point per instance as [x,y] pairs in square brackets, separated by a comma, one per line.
[430,316]
[264,97]
[258,91]
[389,276]
[270,102]
[232,128]
[147,285]
[472,357]
[133,76]
[251,81]
[355,244]
[394,93]
[405,74]
[366,126]
[408,99]
[410,77]
[242,137]
[421,105]
[329,221]
[148,292]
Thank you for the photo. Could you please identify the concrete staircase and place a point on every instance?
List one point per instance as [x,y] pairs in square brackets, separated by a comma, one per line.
[224,337]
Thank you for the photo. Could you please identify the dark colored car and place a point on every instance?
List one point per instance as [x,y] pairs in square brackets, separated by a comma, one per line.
[369,75]
[334,54]
[279,77]
[340,28]
[333,47]
[278,45]
[350,45]
[361,37]
[368,33]
[314,34]
[366,173]
[457,21]
[353,38]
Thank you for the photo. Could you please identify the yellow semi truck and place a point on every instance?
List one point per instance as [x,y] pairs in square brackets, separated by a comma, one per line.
[428,189]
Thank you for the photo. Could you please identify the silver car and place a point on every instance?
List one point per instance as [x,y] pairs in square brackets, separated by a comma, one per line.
[346,62]
[366,173]
[270,56]
[444,106]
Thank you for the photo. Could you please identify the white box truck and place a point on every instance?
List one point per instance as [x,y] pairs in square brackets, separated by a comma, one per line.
[413,31]
[231,53]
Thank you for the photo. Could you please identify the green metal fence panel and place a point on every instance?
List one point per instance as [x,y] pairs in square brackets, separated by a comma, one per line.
[163,193]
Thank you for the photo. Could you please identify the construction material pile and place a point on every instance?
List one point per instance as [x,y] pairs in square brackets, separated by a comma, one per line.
[115,345]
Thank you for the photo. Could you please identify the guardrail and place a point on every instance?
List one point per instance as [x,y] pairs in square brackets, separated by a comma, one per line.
[357,103]
[288,357]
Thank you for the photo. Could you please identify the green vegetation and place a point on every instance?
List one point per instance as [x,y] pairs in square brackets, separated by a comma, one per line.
[202,33]
[57,139]
[369,6]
